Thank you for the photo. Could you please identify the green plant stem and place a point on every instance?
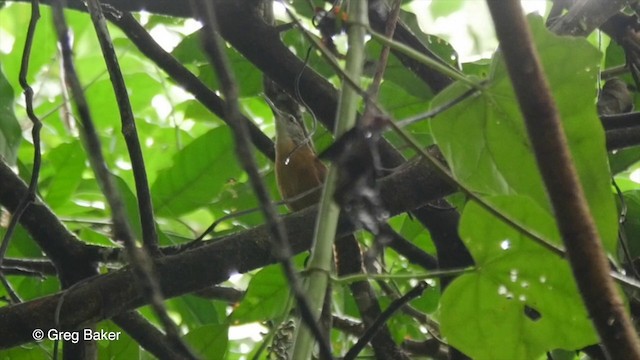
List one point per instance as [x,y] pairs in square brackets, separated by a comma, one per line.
[436,65]
[430,275]
[319,266]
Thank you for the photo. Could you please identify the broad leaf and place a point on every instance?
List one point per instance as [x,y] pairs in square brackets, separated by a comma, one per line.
[122,348]
[209,341]
[249,78]
[266,297]
[66,162]
[197,175]
[486,145]
[522,300]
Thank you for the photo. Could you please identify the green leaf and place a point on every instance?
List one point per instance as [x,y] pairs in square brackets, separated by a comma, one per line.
[30,288]
[299,45]
[10,132]
[26,352]
[195,310]
[249,78]
[399,103]
[198,173]
[14,20]
[398,74]
[124,347]
[445,8]
[438,46]
[621,160]
[133,213]
[632,222]
[485,142]
[210,341]
[238,196]
[413,230]
[141,87]
[522,300]
[66,162]
[266,297]
[22,245]
[480,68]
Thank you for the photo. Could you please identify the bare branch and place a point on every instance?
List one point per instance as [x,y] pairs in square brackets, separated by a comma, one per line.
[30,196]
[140,259]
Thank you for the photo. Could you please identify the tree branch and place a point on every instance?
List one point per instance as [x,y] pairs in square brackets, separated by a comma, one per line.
[584,16]
[579,234]
[108,295]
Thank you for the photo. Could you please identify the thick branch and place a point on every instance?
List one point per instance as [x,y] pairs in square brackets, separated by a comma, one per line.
[585,16]
[115,293]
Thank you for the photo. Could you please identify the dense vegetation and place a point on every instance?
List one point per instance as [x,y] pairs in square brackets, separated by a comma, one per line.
[472,263]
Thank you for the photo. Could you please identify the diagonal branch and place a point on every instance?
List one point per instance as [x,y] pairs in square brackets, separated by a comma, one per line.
[183,77]
[140,257]
[579,234]
[280,243]
[584,16]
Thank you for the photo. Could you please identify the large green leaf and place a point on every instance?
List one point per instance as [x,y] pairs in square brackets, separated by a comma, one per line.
[266,297]
[522,300]
[438,46]
[249,78]
[445,8]
[197,175]
[133,213]
[209,341]
[13,20]
[632,222]
[486,145]
[399,75]
[142,89]
[10,133]
[66,163]
[196,311]
[122,348]
[26,352]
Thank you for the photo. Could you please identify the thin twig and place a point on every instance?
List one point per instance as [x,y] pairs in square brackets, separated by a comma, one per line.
[390,28]
[88,132]
[414,276]
[30,196]
[438,110]
[15,298]
[129,131]
[281,247]
[237,214]
[148,336]
[386,314]
[140,259]
[30,267]
[411,251]
[183,77]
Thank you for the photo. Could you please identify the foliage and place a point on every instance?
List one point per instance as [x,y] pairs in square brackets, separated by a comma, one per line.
[520,301]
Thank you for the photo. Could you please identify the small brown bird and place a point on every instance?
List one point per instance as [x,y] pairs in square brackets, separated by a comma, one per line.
[298,169]
[615,98]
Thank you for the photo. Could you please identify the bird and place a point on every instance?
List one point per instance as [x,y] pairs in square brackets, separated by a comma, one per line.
[615,98]
[297,167]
